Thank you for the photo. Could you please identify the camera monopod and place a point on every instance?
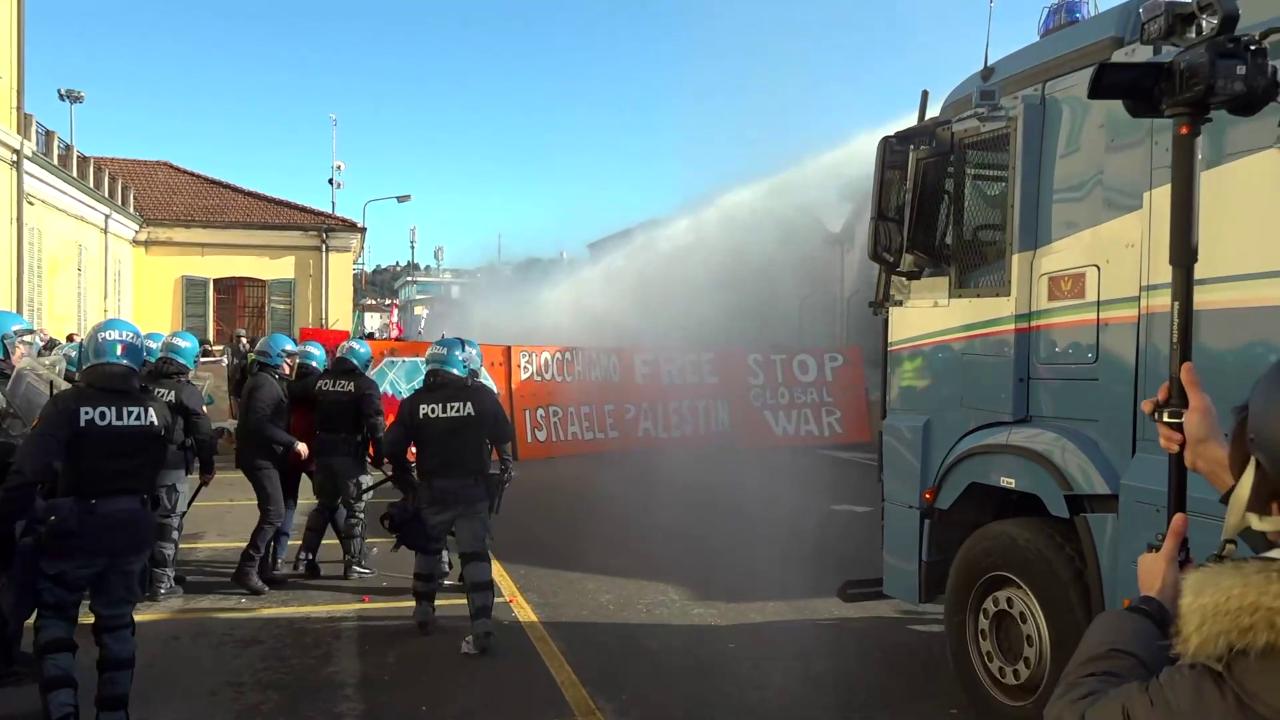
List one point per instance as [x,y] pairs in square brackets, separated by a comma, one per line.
[1214,70]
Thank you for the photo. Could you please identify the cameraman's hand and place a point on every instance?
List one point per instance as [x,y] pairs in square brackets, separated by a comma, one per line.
[1159,575]
[1201,439]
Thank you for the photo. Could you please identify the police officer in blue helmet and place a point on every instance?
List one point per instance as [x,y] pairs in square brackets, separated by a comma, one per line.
[349,427]
[17,341]
[87,475]
[474,360]
[264,447]
[71,355]
[313,359]
[193,440]
[455,423]
[151,343]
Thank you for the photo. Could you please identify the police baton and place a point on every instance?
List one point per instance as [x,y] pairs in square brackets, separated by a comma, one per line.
[385,479]
[199,488]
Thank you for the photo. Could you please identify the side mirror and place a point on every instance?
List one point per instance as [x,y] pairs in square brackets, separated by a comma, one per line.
[885,244]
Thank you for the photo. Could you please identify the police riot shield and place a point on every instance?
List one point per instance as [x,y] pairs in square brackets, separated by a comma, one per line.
[34,381]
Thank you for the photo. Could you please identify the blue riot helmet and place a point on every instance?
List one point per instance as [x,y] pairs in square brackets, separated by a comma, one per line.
[182,347]
[71,354]
[274,349]
[471,356]
[446,355]
[15,336]
[312,353]
[358,352]
[151,343]
[474,360]
[112,342]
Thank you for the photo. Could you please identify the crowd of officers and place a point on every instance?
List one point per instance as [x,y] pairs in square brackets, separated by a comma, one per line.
[96,494]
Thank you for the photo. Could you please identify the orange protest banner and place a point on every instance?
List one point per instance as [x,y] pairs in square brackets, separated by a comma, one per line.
[572,401]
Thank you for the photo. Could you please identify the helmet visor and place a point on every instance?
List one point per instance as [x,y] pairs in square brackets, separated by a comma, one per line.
[21,344]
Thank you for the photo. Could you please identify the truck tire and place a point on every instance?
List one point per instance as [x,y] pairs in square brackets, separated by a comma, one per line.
[1016,607]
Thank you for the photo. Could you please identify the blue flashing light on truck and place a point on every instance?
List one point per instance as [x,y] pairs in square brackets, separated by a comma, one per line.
[1023,240]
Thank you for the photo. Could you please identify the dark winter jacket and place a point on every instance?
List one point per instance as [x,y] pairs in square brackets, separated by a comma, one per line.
[1227,643]
[262,432]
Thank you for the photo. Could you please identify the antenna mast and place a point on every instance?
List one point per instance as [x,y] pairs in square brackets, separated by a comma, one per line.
[986,48]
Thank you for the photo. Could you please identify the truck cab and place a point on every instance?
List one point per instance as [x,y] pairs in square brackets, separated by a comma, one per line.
[1022,239]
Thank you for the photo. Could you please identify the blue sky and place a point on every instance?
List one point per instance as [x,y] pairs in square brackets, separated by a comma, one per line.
[553,122]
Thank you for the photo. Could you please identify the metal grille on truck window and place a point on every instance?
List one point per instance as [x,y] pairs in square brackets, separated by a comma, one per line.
[980,250]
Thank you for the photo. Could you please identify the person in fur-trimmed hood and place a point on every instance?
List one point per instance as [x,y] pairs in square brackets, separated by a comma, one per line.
[1204,643]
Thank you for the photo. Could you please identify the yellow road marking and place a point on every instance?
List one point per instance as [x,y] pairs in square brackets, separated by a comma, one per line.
[241,543]
[214,503]
[570,686]
[243,613]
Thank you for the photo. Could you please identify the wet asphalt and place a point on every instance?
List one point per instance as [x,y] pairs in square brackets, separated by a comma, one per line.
[686,584]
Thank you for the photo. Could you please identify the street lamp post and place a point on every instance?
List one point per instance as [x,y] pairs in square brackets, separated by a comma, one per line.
[72,98]
[364,214]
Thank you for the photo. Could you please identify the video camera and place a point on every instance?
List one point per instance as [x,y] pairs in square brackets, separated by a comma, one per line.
[1215,70]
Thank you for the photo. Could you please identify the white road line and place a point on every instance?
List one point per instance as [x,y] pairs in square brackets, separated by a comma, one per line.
[851,508]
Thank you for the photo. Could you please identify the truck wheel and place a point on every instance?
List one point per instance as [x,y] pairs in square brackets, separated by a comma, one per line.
[1016,607]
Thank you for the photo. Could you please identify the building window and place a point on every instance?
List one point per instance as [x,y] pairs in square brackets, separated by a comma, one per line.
[33,303]
[280,306]
[195,307]
[239,303]
[81,310]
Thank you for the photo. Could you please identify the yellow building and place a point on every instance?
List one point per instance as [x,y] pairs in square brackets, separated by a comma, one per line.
[212,256]
[10,142]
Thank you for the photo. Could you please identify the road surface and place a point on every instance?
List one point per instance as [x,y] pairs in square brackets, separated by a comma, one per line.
[692,584]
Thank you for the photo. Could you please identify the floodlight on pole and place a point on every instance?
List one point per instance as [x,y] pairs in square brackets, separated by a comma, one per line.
[72,98]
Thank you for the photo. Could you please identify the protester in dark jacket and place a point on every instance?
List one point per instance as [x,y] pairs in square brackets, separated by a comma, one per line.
[1221,621]
[238,356]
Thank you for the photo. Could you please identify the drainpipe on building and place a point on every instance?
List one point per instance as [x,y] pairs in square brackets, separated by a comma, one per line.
[106,264]
[21,215]
[324,278]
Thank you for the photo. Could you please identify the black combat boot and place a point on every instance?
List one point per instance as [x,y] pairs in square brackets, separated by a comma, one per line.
[267,573]
[247,578]
[354,568]
[156,594]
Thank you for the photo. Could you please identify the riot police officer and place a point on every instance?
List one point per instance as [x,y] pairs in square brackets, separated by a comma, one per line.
[71,354]
[263,448]
[151,343]
[15,607]
[17,341]
[170,380]
[455,423]
[312,360]
[87,474]
[349,420]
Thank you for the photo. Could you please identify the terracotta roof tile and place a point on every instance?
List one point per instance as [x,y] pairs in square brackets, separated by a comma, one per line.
[164,192]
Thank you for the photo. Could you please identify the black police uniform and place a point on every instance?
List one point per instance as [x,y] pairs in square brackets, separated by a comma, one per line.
[263,448]
[349,418]
[454,424]
[193,438]
[87,475]
[302,410]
